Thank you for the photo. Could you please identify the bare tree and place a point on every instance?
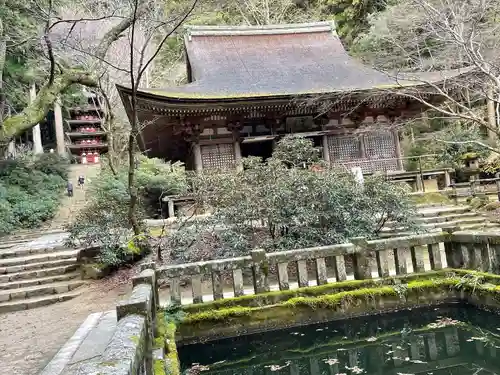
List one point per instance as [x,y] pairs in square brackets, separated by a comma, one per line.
[128,62]
[62,73]
[140,59]
[443,35]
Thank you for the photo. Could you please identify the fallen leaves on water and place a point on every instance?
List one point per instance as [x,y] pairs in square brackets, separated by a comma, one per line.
[355,370]
[331,361]
[278,367]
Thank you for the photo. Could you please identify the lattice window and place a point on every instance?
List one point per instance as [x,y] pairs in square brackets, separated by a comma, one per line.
[344,148]
[219,156]
[345,152]
[380,145]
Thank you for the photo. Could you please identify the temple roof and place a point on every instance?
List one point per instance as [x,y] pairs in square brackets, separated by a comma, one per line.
[227,62]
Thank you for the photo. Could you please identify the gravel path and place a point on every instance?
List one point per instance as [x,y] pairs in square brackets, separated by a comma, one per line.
[29,339]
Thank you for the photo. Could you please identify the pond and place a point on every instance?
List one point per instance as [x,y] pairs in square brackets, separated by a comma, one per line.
[451,340]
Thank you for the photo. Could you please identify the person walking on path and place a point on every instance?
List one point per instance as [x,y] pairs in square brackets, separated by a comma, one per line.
[81,181]
[69,187]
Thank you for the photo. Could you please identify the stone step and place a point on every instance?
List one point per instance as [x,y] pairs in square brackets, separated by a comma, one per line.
[9,244]
[457,223]
[37,258]
[440,219]
[31,303]
[37,273]
[445,210]
[437,226]
[39,290]
[37,266]
[28,235]
[444,218]
[13,252]
[39,281]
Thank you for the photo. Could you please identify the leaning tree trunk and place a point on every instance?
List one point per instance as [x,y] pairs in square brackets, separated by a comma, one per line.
[3,52]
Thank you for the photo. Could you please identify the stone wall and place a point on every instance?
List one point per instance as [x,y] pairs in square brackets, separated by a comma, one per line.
[130,351]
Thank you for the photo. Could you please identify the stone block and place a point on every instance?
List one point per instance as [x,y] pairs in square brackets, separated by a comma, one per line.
[93,271]
[13,269]
[139,302]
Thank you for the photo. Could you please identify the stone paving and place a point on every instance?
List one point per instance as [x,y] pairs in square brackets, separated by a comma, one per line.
[30,339]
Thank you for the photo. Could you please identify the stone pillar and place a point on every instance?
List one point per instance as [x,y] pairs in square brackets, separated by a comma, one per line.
[11,150]
[37,137]
[171,208]
[260,271]
[326,151]
[198,163]
[237,156]
[58,122]
[447,180]
[397,145]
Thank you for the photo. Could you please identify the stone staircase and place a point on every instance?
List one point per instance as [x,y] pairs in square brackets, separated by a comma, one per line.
[436,218]
[37,272]
[70,206]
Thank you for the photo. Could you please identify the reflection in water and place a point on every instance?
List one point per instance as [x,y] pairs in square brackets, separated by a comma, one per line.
[451,340]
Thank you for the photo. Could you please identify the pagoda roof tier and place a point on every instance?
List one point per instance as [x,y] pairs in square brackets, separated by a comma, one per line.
[86,134]
[234,64]
[85,122]
[88,146]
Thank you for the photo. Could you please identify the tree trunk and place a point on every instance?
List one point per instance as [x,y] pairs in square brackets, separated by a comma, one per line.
[36,111]
[132,208]
[3,52]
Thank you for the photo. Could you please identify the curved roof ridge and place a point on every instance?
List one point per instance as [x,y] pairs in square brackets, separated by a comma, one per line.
[228,30]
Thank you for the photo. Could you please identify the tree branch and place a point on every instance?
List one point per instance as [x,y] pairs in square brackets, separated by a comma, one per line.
[37,110]
[478,143]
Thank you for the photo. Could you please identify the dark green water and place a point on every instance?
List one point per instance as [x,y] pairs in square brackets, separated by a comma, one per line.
[451,340]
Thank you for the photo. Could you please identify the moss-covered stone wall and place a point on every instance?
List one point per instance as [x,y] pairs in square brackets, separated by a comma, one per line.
[277,310]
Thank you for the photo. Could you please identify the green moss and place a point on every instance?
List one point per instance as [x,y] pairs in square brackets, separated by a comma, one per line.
[219,315]
[161,330]
[336,300]
[329,301]
[159,367]
[109,364]
[430,198]
[275,297]
[172,358]
[135,339]
[469,156]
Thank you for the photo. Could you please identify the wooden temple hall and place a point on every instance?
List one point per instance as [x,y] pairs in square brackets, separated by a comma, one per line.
[248,86]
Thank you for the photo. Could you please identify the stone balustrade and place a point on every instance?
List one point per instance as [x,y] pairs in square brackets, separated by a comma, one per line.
[376,258]
[370,258]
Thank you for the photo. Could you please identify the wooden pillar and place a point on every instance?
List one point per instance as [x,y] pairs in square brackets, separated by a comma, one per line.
[58,122]
[37,137]
[237,156]
[397,145]
[326,151]
[492,118]
[198,163]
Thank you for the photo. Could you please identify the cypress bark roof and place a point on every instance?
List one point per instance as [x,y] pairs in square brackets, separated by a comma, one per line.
[276,60]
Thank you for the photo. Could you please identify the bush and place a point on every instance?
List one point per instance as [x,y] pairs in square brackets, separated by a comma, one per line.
[30,189]
[290,201]
[104,220]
